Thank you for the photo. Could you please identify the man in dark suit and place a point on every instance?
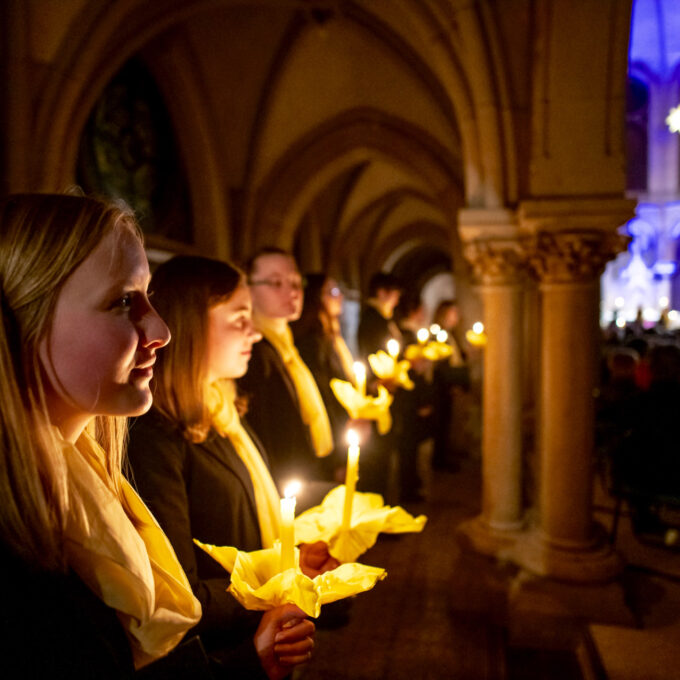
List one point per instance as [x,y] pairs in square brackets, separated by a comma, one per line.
[376,325]
[275,411]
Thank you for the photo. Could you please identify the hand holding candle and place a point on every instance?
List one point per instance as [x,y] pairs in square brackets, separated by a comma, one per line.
[287,526]
[351,477]
[360,377]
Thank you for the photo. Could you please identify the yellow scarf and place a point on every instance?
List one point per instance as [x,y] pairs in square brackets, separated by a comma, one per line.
[226,421]
[133,570]
[312,407]
[346,358]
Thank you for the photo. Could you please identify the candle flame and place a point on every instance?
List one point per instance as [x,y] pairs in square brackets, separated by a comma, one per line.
[292,489]
[393,347]
[442,336]
[478,327]
[423,334]
[435,328]
[359,369]
[352,437]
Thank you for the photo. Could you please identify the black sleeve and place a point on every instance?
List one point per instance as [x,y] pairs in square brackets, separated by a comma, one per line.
[158,460]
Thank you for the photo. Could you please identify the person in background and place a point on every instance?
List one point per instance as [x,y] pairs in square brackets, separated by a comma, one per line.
[285,408]
[192,447]
[94,589]
[323,349]
[450,378]
[376,325]
[413,409]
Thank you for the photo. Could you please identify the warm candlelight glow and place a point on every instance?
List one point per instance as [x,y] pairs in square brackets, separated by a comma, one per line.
[435,328]
[288,525]
[351,477]
[423,334]
[393,348]
[478,327]
[360,377]
[442,336]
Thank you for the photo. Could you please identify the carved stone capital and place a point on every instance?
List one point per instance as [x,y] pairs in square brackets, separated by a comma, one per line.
[573,256]
[496,261]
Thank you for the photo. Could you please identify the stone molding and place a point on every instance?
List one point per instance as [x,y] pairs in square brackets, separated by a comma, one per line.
[496,261]
[577,256]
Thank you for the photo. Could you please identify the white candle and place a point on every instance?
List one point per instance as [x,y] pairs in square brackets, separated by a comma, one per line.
[393,348]
[423,334]
[288,526]
[360,377]
[351,477]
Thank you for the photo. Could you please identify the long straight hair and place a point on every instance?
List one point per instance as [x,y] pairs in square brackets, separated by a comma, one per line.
[184,289]
[43,239]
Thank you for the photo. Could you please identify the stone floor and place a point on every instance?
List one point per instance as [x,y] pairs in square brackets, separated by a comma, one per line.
[414,625]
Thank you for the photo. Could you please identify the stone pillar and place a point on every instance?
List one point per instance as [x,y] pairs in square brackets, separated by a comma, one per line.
[492,248]
[569,261]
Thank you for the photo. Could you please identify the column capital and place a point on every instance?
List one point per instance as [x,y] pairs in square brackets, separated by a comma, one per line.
[573,256]
[572,239]
[496,261]
[491,244]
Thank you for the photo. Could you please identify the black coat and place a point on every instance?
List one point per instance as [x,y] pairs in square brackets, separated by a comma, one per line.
[53,626]
[202,491]
[374,331]
[274,415]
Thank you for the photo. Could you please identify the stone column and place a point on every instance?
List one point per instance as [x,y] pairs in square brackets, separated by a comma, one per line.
[568,261]
[492,248]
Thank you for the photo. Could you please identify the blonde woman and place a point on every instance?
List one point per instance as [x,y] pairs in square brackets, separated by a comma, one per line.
[92,587]
[200,470]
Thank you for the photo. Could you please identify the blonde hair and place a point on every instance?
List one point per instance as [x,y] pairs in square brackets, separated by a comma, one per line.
[43,239]
[184,289]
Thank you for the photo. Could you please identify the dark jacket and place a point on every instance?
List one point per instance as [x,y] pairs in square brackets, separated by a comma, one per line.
[374,331]
[202,491]
[53,626]
[274,415]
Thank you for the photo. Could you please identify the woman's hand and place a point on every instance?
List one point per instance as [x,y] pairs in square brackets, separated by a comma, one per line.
[284,638]
[315,559]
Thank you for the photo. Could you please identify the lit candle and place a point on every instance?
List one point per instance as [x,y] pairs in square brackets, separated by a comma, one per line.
[360,377]
[435,328]
[393,348]
[351,477]
[442,336]
[476,336]
[288,526]
[423,334]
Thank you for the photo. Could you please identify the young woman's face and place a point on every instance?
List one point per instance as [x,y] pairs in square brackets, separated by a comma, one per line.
[230,336]
[332,298]
[101,347]
[277,288]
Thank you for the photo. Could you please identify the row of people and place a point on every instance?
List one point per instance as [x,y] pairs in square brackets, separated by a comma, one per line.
[94,586]
[82,341]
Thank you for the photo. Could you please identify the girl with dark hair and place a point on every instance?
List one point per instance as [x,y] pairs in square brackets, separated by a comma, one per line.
[199,468]
[322,347]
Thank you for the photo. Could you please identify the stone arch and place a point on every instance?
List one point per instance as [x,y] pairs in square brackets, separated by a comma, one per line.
[84,65]
[349,138]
